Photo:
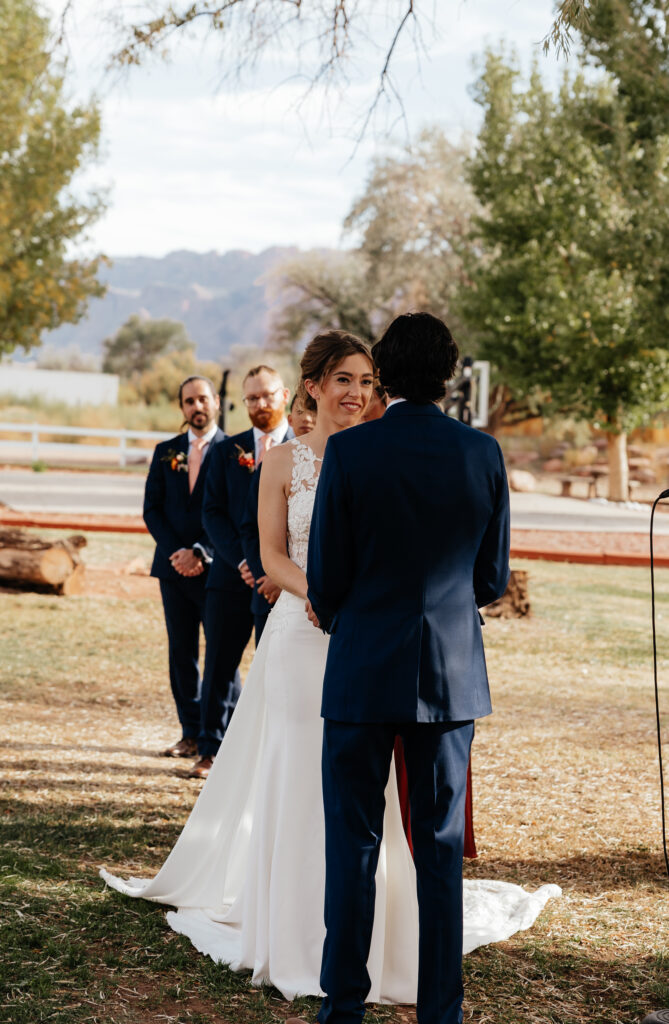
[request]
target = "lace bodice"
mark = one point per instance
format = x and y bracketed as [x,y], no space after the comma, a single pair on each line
[304,478]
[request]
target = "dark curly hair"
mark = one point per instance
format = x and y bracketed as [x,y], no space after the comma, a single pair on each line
[415,357]
[322,356]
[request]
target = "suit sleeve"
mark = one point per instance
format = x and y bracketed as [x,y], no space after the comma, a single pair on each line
[154,509]
[249,528]
[216,520]
[491,569]
[330,559]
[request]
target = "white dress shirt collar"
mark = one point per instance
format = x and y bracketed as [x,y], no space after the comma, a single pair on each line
[201,437]
[277,434]
[394,401]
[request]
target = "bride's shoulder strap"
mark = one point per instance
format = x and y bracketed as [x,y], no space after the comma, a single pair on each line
[304,469]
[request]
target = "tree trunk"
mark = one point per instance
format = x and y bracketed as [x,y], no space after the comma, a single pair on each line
[514,602]
[618,467]
[26,560]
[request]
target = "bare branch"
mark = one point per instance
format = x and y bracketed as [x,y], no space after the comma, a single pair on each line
[385,79]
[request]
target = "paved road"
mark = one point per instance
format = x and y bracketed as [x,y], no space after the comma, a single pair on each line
[547,512]
[121,494]
[63,491]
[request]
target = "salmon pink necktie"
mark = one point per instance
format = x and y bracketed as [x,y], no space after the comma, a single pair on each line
[265,442]
[195,461]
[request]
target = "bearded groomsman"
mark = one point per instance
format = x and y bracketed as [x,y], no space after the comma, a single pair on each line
[173,515]
[231,612]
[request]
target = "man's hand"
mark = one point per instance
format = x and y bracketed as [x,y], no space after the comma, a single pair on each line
[311,614]
[185,562]
[268,588]
[246,574]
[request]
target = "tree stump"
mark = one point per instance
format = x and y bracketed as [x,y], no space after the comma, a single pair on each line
[31,562]
[514,602]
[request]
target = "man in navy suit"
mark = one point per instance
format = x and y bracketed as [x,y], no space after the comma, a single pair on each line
[173,515]
[231,611]
[410,535]
[301,421]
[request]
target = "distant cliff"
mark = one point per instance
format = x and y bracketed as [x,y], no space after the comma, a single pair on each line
[219,296]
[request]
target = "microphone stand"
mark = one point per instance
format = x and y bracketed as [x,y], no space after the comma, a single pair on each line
[659,1016]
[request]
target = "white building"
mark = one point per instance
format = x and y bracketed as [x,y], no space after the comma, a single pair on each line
[19,380]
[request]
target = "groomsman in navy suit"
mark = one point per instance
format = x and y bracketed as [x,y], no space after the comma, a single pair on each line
[301,421]
[409,536]
[231,612]
[173,515]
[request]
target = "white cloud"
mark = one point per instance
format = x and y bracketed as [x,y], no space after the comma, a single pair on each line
[195,166]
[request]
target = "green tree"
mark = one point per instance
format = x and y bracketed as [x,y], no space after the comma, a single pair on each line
[140,341]
[561,283]
[159,383]
[43,143]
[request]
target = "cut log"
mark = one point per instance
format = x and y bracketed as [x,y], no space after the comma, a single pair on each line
[27,560]
[74,584]
[514,602]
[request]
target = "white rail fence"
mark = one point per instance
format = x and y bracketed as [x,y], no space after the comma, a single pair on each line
[34,449]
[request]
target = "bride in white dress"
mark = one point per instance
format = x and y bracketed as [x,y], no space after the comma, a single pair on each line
[247,874]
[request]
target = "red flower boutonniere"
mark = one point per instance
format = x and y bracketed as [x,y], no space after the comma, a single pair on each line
[177,460]
[246,459]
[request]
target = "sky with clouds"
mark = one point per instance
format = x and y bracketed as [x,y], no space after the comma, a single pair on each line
[192,162]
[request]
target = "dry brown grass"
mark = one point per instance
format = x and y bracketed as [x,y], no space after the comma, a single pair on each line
[565,790]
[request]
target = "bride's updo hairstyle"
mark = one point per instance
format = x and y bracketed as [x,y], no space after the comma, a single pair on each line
[415,358]
[322,356]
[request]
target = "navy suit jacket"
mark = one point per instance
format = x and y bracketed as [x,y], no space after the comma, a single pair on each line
[172,514]
[251,542]
[251,537]
[410,533]
[224,509]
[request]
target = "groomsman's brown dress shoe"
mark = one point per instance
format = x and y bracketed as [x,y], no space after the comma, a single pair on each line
[184,748]
[201,768]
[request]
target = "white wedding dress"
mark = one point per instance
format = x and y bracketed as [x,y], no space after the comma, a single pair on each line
[247,873]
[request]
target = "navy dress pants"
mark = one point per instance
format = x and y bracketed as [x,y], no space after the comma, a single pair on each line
[356,764]
[183,603]
[228,623]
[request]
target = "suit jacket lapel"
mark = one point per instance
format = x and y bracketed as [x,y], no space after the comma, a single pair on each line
[182,475]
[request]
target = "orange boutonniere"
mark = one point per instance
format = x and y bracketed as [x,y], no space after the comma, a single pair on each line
[177,460]
[246,459]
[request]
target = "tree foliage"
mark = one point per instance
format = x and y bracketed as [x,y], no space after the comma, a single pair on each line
[159,383]
[412,224]
[138,344]
[320,291]
[571,284]
[43,143]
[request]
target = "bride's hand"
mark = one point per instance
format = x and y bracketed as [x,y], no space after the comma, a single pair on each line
[311,614]
[268,588]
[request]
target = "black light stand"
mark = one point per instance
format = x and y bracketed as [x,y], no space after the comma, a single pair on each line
[225,406]
[460,393]
[659,1016]
[660,497]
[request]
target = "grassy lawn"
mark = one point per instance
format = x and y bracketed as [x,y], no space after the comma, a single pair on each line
[565,790]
